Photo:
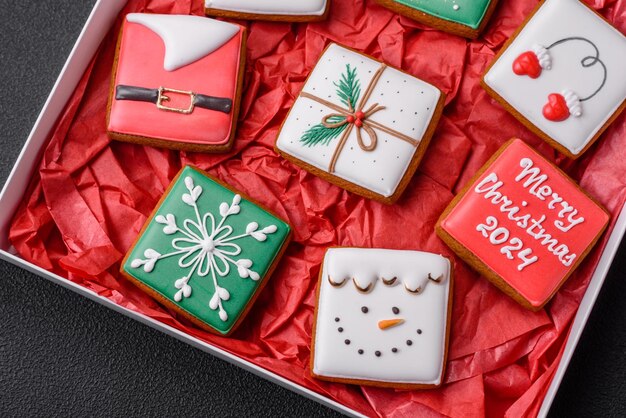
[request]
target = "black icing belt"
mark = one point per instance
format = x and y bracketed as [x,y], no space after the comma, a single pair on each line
[141,94]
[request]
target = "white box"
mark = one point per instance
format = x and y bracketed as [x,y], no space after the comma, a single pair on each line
[97,26]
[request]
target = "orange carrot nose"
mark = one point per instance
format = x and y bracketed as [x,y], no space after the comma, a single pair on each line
[389,323]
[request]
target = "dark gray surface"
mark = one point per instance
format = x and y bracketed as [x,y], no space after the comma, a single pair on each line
[61,354]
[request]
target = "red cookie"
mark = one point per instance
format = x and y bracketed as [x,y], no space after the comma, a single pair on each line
[523,224]
[177,82]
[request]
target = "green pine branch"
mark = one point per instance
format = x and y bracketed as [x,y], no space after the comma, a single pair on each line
[322,135]
[349,88]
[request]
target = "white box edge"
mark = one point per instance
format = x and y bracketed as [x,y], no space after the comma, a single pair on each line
[584,309]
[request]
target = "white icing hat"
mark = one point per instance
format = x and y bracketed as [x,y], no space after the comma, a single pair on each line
[364,269]
[186,38]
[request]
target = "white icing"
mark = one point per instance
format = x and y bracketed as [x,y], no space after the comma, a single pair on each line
[271,7]
[555,20]
[186,38]
[409,107]
[543,55]
[573,103]
[489,188]
[419,363]
[205,247]
[500,235]
[534,179]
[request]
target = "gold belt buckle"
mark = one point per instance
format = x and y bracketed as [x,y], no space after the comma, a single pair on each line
[163,98]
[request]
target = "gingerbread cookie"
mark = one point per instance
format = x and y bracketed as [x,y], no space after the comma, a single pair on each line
[273,10]
[360,124]
[523,224]
[562,75]
[382,318]
[177,82]
[465,18]
[206,252]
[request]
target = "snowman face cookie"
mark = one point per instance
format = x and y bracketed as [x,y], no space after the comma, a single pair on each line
[382,318]
[562,75]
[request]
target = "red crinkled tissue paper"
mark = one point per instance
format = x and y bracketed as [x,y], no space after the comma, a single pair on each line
[90,196]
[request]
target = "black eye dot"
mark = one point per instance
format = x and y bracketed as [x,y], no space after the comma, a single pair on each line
[336,319]
[419,331]
[364,309]
[360,351]
[377,353]
[347,342]
[409,342]
[340,329]
[394,350]
[395,310]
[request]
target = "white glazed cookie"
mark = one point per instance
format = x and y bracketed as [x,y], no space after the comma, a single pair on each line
[563,74]
[373,152]
[266,9]
[382,318]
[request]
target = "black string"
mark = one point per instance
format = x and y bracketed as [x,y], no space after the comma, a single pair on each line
[585,62]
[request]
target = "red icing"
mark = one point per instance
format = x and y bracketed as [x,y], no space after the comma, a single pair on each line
[556,109]
[538,280]
[527,64]
[140,64]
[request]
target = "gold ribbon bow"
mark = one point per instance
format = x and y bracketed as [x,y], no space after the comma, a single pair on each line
[359,119]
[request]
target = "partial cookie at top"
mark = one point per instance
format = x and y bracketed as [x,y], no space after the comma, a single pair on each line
[562,75]
[273,10]
[466,18]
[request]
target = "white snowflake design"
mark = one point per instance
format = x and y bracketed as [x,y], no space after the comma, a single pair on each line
[205,248]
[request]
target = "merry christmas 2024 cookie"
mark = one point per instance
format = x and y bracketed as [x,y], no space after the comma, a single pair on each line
[562,75]
[279,10]
[360,124]
[206,252]
[523,224]
[177,82]
[382,318]
[466,18]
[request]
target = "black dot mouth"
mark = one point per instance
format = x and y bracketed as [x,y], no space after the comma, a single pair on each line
[377,353]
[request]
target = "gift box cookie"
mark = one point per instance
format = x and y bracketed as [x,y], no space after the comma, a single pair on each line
[360,124]
[177,82]
[466,18]
[278,10]
[562,75]
[382,318]
[206,251]
[523,224]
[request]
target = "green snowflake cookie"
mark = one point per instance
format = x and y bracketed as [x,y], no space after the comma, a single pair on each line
[206,252]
